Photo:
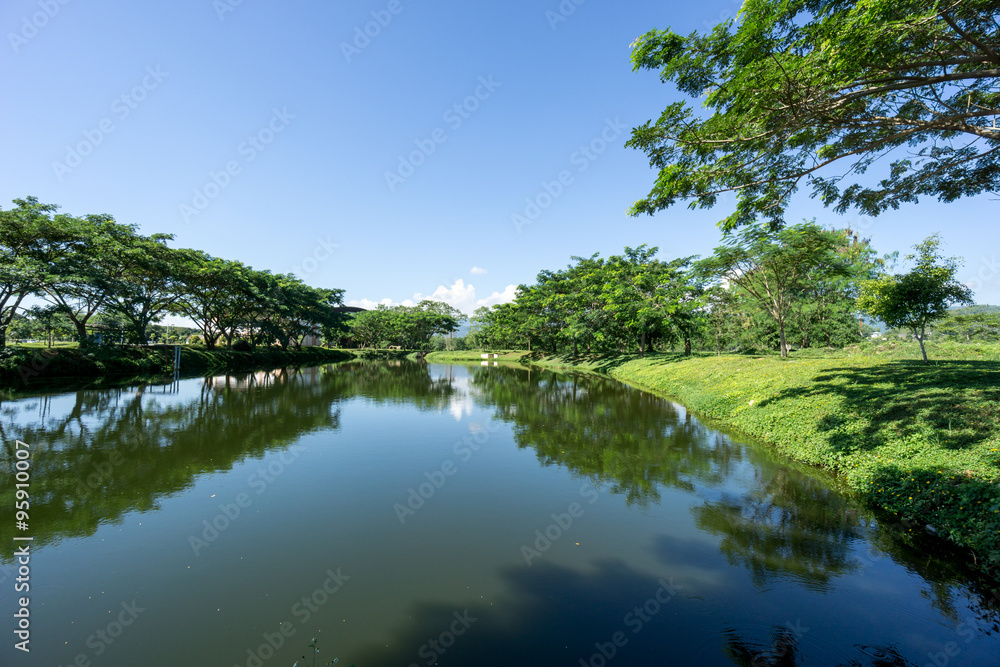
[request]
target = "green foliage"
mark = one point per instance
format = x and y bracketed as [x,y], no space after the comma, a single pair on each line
[916,299]
[93,270]
[242,345]
[448,344]
[978,309]
[802,272]
[792,87]
[30,240]
[411,328]
[970,326]
[627,300]
[148,289]
[27,367]
[83,281]
[43,323]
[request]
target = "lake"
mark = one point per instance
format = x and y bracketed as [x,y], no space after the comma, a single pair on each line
[409,514]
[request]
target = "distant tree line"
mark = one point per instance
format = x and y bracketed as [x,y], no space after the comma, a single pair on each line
[973,323]
[801,286]
[92,270]
[798,286]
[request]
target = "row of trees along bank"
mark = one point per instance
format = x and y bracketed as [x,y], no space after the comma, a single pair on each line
[762,289]
[93,270]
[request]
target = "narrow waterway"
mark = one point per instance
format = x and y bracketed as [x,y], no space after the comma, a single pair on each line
[407,514]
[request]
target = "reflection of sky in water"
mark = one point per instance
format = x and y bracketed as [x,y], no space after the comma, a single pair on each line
[461,403]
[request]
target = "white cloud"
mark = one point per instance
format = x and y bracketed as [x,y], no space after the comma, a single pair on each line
[505,296]
[458,295]
[476,271]
[368,304]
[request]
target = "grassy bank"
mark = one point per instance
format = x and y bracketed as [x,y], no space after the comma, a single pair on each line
[470,356]
[921,441]
[22,367]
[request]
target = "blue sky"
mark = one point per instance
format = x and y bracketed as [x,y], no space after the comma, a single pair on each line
[389,164]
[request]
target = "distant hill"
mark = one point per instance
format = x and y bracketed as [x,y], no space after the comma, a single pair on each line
[976,310]
[966,310]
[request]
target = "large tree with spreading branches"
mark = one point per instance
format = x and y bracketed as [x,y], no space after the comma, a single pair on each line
[811,93]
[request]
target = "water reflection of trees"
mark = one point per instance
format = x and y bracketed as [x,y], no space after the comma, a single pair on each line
[395,381]
[599,428]
[784,524]
[783,650]
[788,524]
[98,454]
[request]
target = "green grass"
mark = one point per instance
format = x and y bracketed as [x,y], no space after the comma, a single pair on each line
[55,344]
[469,356]
[920,441]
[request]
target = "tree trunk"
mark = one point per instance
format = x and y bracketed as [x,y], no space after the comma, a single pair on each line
[921,339]
[81,332]
[642,344]
[687,347]
[209,342]
[784,344]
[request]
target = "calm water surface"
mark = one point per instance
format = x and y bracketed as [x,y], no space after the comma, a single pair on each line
[405,514]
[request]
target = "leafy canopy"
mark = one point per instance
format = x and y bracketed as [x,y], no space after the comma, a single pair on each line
[773,268]
[796,86]
[915,299]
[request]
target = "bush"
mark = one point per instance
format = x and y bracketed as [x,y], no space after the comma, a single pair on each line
[242,345]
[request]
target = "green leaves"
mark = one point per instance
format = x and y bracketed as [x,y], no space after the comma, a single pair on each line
[406,326]
[624,301]
[774,268]
[799,85]
[915,299]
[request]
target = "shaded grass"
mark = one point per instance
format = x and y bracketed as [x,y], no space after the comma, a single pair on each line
[58,343]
